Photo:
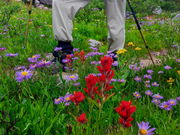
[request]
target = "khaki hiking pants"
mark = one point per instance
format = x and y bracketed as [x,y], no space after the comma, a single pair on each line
[65,10]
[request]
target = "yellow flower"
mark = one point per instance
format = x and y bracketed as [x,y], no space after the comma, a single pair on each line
[170,80]
[178,71]
[131,44]
[121,51]
[137,48]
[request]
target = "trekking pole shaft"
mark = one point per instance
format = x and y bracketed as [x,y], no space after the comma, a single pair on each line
[139,28]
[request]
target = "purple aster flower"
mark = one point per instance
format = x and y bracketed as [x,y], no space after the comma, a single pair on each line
[20,68]
[95,62]
[59,100]
[134,67]
[148,93]
[76,49]
[34,58]
[11,54]
[178,60]
[75,58]
[155,84]
[32,66]
[157,96]
[43,63]
[94,49]
[178,98]
[146,76]
[136,94]
[99,74]
[23,75]
[66,61]
[115,63]
[121,80]
[144,128]
[167,67]
[172,102]
[175,46]
[156,101]
[76,84]
[74,77]
[67,97]
[160,72]
[57,49]
[150,71]
[2,49]
[137,79]
[165,106]
[98,53]
[113,80]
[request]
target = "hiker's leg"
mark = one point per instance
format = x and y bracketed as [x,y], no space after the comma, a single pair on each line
[115,10]
[63,13]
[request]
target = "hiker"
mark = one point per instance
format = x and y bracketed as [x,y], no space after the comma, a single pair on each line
[65,10]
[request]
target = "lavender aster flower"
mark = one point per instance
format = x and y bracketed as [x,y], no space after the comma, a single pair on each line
[32,66]
[148,93]
[121,80]
[113,80]
[146,76]
[58,100]
[167,67]
[178,98]
[156,101]
[155,84]
[178,60]
[136,94]
[115,63]
[172,102]
[137,79]
[74,77]
[43,63]
[160,72]
[165,106]
[20,68]
[157,96]
[11,54]
[144,128]
[76,84]
[23,75]
[57,49]
[34,58]
[76,49]
[2,49]
[150,71]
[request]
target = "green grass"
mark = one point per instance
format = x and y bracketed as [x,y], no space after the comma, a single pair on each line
[28,107]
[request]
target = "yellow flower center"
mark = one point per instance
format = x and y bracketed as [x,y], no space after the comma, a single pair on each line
[24,73]
[172,102]
[143,132]
[57,100]
[121,51]
[72,76]
[67,98]
[165,106]
[138,49]
[131,44]
[34,56]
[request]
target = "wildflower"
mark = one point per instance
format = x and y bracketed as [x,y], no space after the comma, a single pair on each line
[34,58]
[178,98]
[20,68]
[125,110]
[94,49]
[172,102]
[43,63]
[155,84]
[32,66]
[134,67]
[82,118]
[57,49]
[137,79]
[115,64]
[75,49]
[58,100]
[2,49]
[167,67]
[160,72]
[121,81]
[178,71]
[165,106]
[113,80]
[170,81]
[74,77]
[157,96]
[137,48]
[156,101]
[11,54]
[148,93]
[178,60]
[150,71]
[23,75]
[131,44]
[137,95]
[144,128]
[121,51]
[76,84]
[146,76]
[77,97]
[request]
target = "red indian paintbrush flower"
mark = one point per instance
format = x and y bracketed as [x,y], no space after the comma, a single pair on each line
[77,97]
[125,110]
[81,55]
[82,118]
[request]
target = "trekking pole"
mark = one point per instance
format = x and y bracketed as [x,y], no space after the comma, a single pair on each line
[139,28]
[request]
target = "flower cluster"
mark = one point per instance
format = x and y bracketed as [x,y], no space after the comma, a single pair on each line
[125,110]
[77,97]
[65,100]
[82,118]
[144,128]
[23,75]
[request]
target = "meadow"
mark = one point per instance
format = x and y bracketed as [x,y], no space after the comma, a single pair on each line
[99,97]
